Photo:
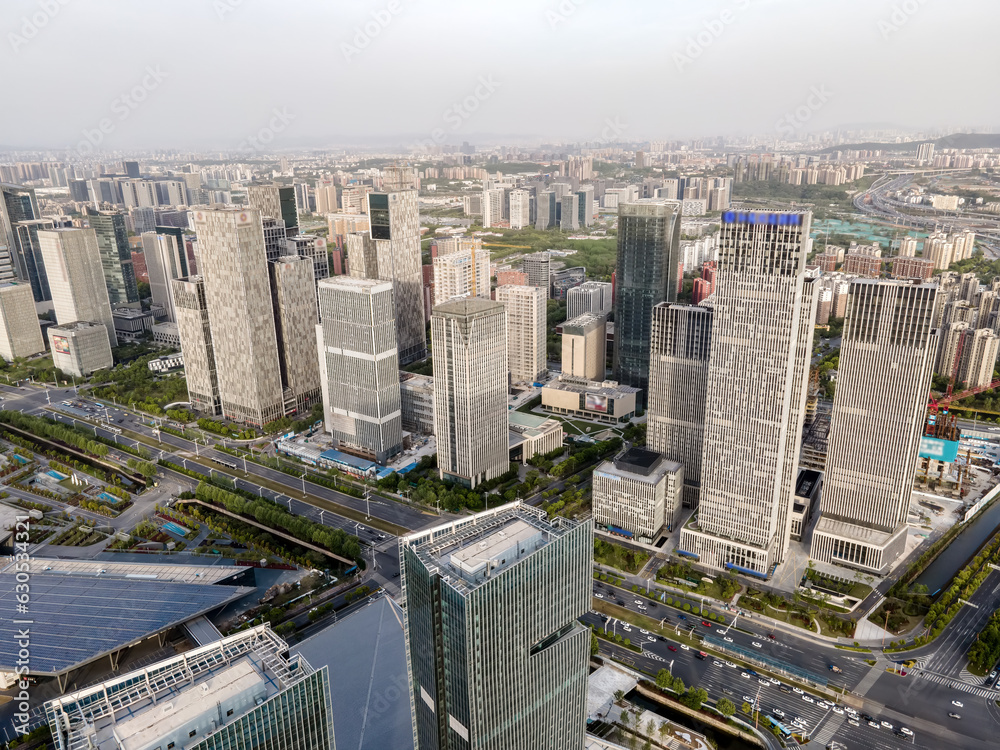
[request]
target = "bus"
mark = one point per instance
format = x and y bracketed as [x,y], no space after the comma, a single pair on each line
[225,462]
[115,430]
[772,722]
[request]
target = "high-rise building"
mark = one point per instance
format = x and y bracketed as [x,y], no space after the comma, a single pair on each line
[979,358]
[569,212]
[762,332]
[242,691]
[526,331]
[76,277]
[464,272]
[276,201]
[470,390]
[354,199]
[520,209]
[391,252]
[565,279]
[590,296]
[30,265]
[538,266]
[584,347]
[80,348]
[233,264]
[116,258]
[293,299]
[546,209]
[649,234]
[489,668]
[166,259]
[925,152]
[876,424]
[314,248]
[493,206]
[17,204]
[585,205]
[678,381]
[913,268]
[361,393]
[638,495]
[194,329]
[20,332]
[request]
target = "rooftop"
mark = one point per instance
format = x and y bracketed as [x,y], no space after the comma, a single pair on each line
[578,385]
[76,325]
[461,308]
[204,574]
[588,321]
[469,552]
[639,469]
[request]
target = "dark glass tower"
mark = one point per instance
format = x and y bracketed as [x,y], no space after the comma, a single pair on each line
[116,258]
[649,238]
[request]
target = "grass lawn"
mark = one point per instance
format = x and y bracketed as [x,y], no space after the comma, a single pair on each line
[618,557]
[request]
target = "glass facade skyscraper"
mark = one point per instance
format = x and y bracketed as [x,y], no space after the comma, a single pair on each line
[116,258]
[649,236]
[496,657]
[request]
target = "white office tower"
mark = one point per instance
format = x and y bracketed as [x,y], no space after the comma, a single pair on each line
[496,657]
[585,347]
[166,260]
[762,333]
[569,212]
[493,208]
[638,495]
[462,272]
[390,251]
[470,390]
[520,209]
[886,363]
[357,348]
[233,264]
[526,331]
[678,381]
[20,332]
[590,296]
[76,277]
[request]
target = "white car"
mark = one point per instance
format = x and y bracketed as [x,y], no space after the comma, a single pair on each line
[778,712]
[886,724]
[774,681]
[626,628]
[745,675]
[838,710]
[651,638]
[765,683]
[907,731]
[644,632]
[873,724]
[727,639]
[685,647]
[853,722]
[749,700]
[598,596]
[959,704]
[720,631]
[822,704]
[638,601]
[800,724]
[756,645]
[716,663]
[808,698]
[797,691]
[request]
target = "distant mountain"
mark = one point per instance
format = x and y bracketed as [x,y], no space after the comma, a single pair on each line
[955,140]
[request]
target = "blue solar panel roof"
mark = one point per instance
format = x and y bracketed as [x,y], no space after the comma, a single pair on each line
[76,619]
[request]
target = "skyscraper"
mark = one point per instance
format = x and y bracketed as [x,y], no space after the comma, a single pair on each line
[29,256]
[762,332]
[569,212]
[590,296]
[191,309]
[490,668]
[886,363]
[358,348]
[520,209]
[17,204]
[233,264]
[526,331]
[293,300]
[390,251]
[116,258]
[470,390]
[166,260]
[586,205]
[584,347]
[276,201]
[538,266]
[463,273]
[20,333]
[678,381]
[649,233]
[76,277]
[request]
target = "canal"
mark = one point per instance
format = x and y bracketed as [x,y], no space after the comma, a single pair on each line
[962,548]
[723,740]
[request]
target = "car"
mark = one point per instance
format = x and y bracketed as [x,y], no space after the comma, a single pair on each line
[753,673]
[755,644]
[838,710]
[651,638]
[727,639]
[685,647]
[800,724]
[626,628]
[720,631]
[854,722]
[907,731]
[682,617]
[958,704]
[772,636]
[765,683]
[873,725]
[993,674]
[727,691]
[900,734]
[867,717]
[887,724]
[644,632]
[784,688]
[641,608]
[662,638]
[706,623]
[744,675]
[716,663]
[822,704]
[620,603]
[797,691]
[808,698]
[652,604]
[598,596]
[778,712]
[396,575]
[672,648]
[953,715]
[749,699]
[638,601]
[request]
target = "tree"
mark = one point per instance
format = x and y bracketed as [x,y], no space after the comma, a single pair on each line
[664,732]
[694,697]
[725,707]
[678,686]
[594,645]
[664,680]
[746,708]
[619,695]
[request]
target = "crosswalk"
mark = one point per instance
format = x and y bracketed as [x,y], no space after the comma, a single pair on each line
[980,690]
[826,732]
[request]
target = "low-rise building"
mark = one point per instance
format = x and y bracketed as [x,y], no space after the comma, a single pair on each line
[638,495]
[131,323]
[80,348]
[167,334]
[863,265]
[605,401]
[531,435]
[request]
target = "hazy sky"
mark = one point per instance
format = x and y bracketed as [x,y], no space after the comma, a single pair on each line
[214,73]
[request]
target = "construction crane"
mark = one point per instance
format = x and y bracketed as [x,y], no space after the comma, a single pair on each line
[943,403]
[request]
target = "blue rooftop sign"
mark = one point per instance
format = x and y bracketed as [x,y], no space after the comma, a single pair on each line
[761,217]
